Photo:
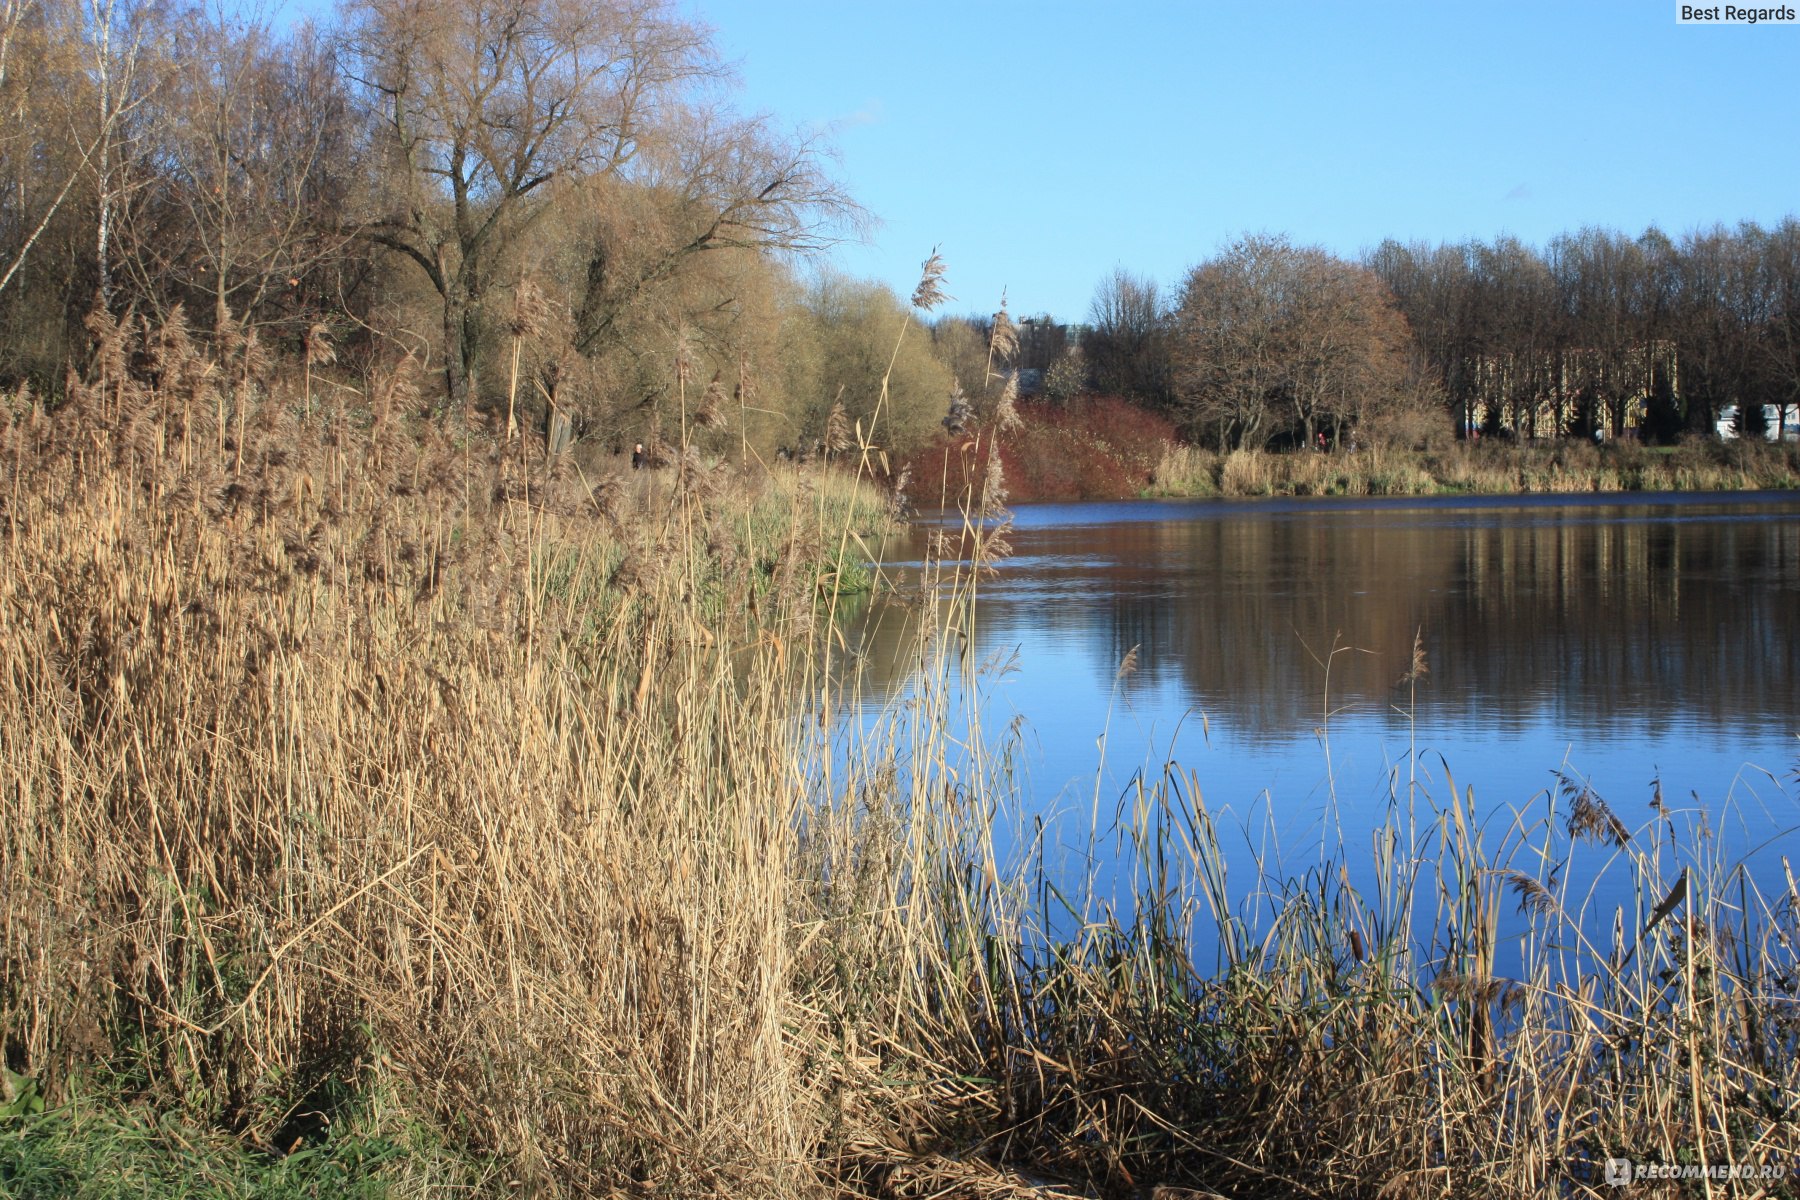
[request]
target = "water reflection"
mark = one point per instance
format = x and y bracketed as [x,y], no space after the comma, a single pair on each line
[1598,620]
[1624,646]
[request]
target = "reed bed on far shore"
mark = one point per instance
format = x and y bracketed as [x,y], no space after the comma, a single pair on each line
[479,822]
[1492,467]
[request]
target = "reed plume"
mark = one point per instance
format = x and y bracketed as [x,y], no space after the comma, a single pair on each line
[837,428]
[1003,341]
[929,293]
[710,414]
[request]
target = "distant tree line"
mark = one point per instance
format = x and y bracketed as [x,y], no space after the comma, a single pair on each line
[1600,331]
[1268,343]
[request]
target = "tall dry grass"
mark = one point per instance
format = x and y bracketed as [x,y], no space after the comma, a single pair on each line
[336,753]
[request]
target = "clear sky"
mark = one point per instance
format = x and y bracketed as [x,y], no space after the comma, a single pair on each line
[1040,145]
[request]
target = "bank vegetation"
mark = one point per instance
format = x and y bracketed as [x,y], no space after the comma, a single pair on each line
[392,812]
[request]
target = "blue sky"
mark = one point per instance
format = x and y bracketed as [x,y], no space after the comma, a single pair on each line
[1040,145]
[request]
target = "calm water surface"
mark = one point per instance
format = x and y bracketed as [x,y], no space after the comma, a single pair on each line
[1621,642]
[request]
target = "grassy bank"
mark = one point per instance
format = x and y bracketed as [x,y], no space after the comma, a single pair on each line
[475,821]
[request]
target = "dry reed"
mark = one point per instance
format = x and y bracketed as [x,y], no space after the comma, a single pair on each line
[1486,468]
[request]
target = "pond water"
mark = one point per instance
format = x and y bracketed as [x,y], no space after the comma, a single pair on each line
[1621,642]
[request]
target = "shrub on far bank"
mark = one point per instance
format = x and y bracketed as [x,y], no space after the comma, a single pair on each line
[1100,448]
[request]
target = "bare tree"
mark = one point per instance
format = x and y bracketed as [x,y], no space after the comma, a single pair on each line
[1126,345]
[1781,337]
[1344,345]
[484,105]
[1515,341]
[1440,293]
[73,78]
[123,69]
[1596,273]
[24,74]
[255,157]
[1228,359]
[1275,338]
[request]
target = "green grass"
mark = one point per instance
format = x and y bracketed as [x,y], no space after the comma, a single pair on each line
[106,1148]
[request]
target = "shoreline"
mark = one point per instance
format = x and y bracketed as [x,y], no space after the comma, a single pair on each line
[1105,449]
